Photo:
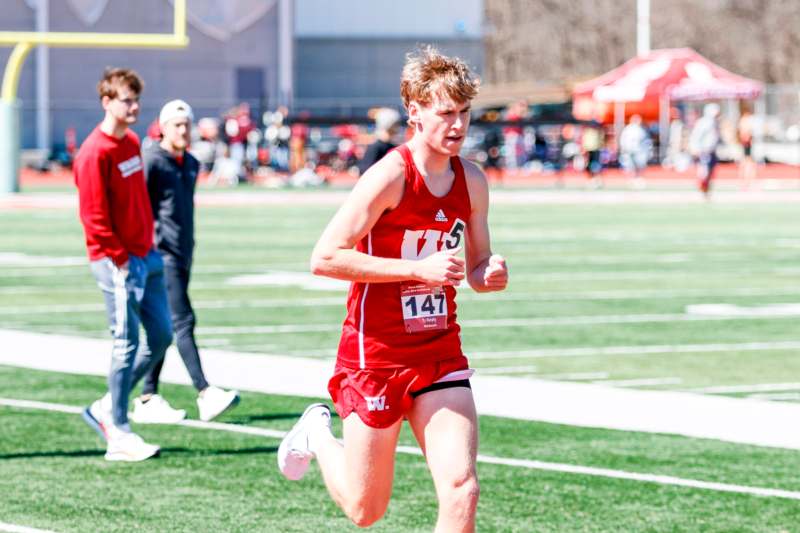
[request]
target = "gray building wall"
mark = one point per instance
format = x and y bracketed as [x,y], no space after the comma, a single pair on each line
[204,74]
[339,75]
[348,56]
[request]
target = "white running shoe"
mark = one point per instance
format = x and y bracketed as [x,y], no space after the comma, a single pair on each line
[128,446]
[215,401]
[156,410]
[294,454]
[99,417]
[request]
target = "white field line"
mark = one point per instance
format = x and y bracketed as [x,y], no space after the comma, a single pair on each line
[281,328]
[590,351]
[567,321]
[633,476]
[47,273]
[738,420]
[527,369]
[571,255]
[234,428]
[488,459]
[304,280]
[640,382]
[44,406]
[14,266]
[16,259]
[207,342]
[576,376]
[551,353]
[776,396]
[12,528]
[465,294]
[759,387]
[740,310]
[260,280]
[47,309]
[333,301]
[280,303]
[642,294]
[641,274]
[573,376]
[513,196]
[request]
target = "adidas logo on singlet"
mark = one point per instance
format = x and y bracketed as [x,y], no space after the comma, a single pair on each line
[440,216]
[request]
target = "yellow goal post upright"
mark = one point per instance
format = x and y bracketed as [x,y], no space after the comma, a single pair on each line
[24,41]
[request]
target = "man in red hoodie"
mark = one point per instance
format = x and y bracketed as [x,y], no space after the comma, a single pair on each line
[118,223]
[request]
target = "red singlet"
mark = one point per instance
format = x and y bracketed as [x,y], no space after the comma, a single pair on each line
[399,324]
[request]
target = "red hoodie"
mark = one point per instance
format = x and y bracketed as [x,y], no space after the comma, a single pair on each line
[114,204]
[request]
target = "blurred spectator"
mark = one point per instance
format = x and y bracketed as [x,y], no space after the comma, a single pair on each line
[703,143]
[540,148]
[514,140]
[491,144]
[592,144]
[277,137]
[226,170]
[634,145]
[71,143]
[744,133]
[387,123]
[677,149]
[152,135]
[297,147]
[346,148]
[253,141]
[569,154]
[206,146]
[238,125]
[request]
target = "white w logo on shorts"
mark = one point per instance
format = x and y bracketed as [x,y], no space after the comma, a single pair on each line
[376,403]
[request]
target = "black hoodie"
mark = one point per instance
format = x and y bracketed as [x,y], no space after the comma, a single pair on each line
[171,186]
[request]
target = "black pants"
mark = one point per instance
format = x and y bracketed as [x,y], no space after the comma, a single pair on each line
[183,322]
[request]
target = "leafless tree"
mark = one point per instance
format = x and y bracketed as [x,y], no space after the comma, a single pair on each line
[567,40]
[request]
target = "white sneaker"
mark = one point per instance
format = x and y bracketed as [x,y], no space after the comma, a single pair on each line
[215,401]
[156,410]
[294,454]
[99,417]
[128,446]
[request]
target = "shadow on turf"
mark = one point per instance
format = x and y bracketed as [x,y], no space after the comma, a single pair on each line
[56,453]
[168,451]
[244,419]
[229,451]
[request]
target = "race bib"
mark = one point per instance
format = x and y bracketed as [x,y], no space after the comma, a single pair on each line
[424,307]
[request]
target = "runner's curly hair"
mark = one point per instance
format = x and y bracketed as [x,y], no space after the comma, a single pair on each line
[428,72]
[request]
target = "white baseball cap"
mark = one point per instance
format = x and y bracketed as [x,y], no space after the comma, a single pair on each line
[174,109]
[386,118]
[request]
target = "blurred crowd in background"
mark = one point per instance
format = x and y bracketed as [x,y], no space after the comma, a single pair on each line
[278,149]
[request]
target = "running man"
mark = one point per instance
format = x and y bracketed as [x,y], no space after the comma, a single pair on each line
[397,239]
[703,143]
[171,173]
[118,223]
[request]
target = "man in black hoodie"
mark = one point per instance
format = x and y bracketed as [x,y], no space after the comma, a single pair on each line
[171,173]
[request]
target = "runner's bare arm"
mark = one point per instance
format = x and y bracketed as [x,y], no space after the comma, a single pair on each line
[486,271]
[380,189]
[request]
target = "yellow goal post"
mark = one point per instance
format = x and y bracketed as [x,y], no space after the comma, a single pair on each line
[24,41]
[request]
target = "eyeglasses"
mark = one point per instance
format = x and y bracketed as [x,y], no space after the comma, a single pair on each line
[128,101]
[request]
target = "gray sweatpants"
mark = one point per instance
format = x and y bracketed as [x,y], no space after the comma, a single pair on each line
[138,298]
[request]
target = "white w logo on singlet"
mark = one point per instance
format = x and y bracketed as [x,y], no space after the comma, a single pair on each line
[419,244]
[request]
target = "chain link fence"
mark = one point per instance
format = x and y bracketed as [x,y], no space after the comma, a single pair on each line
[778,134]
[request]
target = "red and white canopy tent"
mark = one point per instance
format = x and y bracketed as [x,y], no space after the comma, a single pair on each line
[648,84]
